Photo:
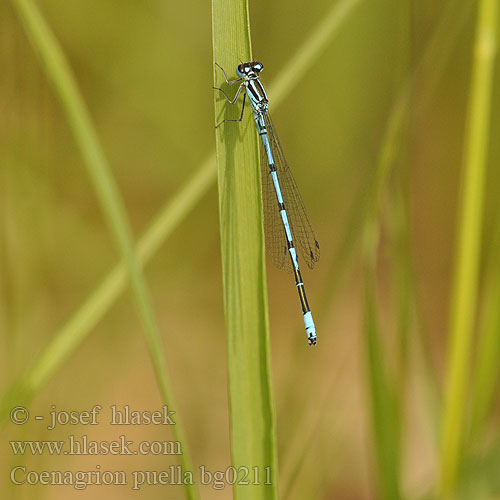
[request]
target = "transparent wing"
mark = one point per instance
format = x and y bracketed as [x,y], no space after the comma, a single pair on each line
[303,234]
[273,226]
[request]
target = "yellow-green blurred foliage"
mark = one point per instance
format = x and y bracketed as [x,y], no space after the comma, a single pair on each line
[145,71]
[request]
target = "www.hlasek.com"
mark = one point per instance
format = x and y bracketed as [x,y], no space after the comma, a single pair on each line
[82,445]
[174,476]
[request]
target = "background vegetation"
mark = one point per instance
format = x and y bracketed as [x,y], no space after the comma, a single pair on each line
[385,127]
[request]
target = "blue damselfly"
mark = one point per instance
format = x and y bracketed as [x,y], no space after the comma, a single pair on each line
[285,218]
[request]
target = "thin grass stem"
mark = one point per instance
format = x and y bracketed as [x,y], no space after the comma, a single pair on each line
[466,273]
[58,72]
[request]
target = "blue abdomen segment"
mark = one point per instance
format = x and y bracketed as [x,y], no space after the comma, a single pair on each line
[286,225]
[261,127]
[277,188]
[310,328]
[293,255]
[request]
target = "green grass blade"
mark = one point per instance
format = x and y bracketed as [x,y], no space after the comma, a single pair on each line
[58,72]
[465,287]
[252,420]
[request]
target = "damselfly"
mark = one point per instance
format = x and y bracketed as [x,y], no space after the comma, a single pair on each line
[285,217]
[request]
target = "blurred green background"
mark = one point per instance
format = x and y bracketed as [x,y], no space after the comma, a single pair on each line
[145,71]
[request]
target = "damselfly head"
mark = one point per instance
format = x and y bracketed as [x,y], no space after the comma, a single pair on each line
[249,69]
